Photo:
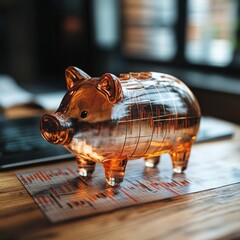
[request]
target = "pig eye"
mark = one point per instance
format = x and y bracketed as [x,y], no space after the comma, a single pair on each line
[84,114]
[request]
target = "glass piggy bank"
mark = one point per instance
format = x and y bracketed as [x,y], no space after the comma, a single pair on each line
[111,120]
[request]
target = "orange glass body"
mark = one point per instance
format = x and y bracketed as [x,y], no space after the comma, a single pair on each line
[111,120]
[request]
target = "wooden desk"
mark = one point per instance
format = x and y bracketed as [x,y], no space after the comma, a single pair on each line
[212,214]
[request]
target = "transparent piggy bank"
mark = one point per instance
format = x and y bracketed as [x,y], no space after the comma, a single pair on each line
[111,120]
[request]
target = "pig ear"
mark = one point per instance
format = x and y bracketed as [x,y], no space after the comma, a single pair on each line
[73,75]
[110,85]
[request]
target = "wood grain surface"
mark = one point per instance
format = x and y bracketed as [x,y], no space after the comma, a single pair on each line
[212,214]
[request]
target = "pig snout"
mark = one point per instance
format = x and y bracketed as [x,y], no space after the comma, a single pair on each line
[55,130]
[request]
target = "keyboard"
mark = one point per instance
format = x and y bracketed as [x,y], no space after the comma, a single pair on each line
[21,143]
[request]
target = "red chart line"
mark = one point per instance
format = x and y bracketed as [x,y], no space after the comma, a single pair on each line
[128,195]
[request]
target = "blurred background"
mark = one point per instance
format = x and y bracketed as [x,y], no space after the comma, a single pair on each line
[198,41]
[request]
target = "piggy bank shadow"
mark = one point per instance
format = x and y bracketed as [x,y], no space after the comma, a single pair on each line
[151,171]
[157,174]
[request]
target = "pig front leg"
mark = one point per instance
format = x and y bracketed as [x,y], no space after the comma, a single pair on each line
[115,171]
[85,167]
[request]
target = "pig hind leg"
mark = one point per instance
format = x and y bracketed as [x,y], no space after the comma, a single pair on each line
[180,159]
[115,171]
[152,161]
[85,167]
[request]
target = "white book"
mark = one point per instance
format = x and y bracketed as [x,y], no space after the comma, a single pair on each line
[15,101]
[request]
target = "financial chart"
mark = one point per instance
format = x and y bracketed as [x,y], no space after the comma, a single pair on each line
[62,194]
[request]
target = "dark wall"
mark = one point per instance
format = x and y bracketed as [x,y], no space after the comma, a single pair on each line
[40,38]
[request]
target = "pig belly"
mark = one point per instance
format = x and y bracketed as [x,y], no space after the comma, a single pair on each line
[143,140]
[147,147]
[138,139]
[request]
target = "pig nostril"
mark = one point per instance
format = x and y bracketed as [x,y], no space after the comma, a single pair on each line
[50,125]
